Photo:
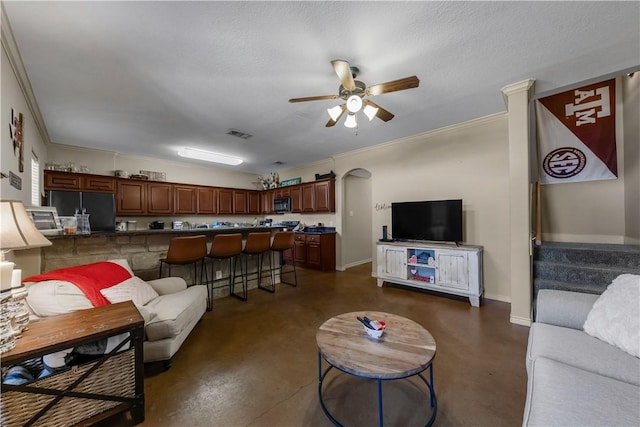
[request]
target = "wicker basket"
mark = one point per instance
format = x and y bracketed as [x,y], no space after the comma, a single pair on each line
[116,377]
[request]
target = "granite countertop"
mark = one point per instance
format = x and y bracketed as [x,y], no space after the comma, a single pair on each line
[318,230]
[205,231]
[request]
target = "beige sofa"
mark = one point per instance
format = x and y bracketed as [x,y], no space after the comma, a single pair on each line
[170,315]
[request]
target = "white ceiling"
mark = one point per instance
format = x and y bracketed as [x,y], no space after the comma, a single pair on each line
[146,78]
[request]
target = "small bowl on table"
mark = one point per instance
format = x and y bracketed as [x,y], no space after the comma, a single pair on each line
[376,333]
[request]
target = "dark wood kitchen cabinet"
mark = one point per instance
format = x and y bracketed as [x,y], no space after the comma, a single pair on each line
[314,250]
[266,201]
[207,202]
[308,198]
[131,197]
[185,199]
[296,199]
[225,201]
[253,202]
[240,202]
[139,197]
[325,196]
[57,180]
[159,198]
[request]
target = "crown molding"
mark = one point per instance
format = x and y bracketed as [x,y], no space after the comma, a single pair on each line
[10,47]
[469,123]
[513,88]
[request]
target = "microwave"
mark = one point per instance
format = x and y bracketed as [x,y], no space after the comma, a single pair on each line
[46,219]
[282,204]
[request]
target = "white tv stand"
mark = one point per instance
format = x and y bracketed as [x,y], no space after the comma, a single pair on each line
[450,268]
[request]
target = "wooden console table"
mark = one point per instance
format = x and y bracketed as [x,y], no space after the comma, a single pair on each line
[92,391]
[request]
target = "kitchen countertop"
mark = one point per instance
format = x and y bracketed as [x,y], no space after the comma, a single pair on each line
[206,231]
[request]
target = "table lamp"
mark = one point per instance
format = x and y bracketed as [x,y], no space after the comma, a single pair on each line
[17,231]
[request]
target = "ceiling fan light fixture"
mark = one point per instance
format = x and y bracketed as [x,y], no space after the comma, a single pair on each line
[335,112]
[351,121]
[370,111]
[209,156]
[354,103]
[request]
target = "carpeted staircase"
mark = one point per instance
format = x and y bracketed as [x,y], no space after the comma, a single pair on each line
[583,267]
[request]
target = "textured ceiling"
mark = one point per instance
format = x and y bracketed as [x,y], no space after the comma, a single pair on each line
[146,78]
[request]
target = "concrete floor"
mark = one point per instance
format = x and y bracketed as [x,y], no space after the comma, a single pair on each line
[255,363]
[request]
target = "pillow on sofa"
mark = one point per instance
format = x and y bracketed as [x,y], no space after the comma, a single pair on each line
[53,297]
[615,316]
[134,289]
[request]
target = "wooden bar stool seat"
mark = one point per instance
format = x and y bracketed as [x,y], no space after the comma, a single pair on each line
[257,244]
[226,247]
[283,241]
[184,251]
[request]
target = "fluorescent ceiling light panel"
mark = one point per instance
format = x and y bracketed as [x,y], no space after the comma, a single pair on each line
[194,153]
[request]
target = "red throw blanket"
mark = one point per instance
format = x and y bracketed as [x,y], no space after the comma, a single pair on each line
[90,278]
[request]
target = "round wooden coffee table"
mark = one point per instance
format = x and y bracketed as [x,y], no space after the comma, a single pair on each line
[404,350]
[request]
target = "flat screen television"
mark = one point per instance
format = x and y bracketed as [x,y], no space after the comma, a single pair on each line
[434,220]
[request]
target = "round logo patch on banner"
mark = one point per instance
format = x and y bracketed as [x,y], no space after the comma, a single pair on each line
[564,162]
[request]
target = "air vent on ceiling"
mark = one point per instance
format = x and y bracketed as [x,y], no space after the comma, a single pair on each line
[239,134]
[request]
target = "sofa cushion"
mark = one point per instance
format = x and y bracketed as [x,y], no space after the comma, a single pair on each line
[174,312]
[583,351]
[563,395]
[615,316]
[133,289]
[53,297]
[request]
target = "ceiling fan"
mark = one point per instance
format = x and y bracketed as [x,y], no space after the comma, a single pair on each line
[353,92]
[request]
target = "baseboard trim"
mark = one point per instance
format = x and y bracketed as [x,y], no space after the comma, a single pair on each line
[354,264]
[497,297]
[520,321]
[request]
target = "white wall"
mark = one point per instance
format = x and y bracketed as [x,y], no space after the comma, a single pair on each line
[105,162]
[14,97]
[601,211]
[356,223]
[467,161]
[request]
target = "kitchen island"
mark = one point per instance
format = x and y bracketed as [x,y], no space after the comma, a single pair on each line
[143,249]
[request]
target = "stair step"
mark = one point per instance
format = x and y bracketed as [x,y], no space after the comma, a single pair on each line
[624,256]
[577,273]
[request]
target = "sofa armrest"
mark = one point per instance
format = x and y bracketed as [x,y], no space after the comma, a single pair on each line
[168,285]
[564,308]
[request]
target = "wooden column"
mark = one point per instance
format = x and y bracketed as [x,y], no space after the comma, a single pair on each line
[516,98]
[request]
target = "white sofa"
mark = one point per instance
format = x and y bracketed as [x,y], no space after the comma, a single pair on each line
[169,317]
[575,379]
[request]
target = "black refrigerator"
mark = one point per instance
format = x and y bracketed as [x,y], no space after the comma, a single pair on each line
[101,207]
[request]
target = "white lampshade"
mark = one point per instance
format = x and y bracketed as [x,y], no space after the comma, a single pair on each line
[354,103]
[16,228]
[351,121]
[370,111]
[335,112]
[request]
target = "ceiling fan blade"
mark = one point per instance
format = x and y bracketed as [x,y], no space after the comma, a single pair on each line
[393,86]
[343,70]
[313,98]
[332,122]
[382,114]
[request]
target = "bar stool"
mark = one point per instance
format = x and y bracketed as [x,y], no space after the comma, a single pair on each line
[184,251]
[257,244]
[282,241]
[226,247]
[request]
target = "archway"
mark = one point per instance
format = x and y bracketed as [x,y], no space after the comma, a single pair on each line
[356,218]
